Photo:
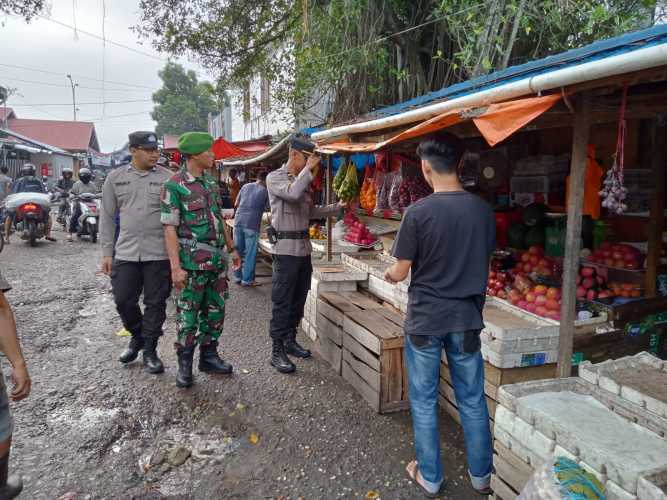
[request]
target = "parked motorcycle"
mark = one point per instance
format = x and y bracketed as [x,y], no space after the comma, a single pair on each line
[88,223]
[31,214]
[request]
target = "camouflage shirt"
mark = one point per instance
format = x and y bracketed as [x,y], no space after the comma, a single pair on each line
[193,205]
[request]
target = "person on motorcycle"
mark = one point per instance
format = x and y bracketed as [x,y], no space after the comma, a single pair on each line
[63,187]
[28,183]
[82,186]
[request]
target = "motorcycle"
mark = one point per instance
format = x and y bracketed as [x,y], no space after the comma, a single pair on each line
[88,223]
[31,212]
[64,211]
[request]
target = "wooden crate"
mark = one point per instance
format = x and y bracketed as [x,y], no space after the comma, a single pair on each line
[373,361]
[494,377]
[330,310]
[511,473]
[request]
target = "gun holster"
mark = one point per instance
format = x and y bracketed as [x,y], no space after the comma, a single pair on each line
[272,234]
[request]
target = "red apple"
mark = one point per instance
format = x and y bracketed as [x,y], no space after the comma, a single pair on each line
[527,268]
[552,305]
[541,311]
[525,257]
[591,295]
[531,307]
[534,260]
[501,294]
[540,290]
[540,300]
[530,297]
[522,304]
[581,292]
[587,283]
[553,293]
[587,272]
[555,315]
[536,250]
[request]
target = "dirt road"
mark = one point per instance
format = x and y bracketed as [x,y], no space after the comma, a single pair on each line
[93,429]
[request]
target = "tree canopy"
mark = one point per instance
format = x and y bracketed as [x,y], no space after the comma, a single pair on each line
[370,53]
[183,103]
[24,8]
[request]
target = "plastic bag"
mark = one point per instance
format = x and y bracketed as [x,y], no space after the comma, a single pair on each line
[395,192]
[382,186]
[562,479]
[349,189]
[367,195]
[339,178]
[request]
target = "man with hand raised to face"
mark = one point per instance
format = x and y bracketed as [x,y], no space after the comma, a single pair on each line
[140,263]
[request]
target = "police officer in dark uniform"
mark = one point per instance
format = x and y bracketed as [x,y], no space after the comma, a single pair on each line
[140,263]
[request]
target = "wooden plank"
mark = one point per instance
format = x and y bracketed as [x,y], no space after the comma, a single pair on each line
[657,210]
[406,384]
[370,376]
[393,316]
[378,325]
[338,301]
[513,477]
[510,457]
[329,352]
[351,344]
[364,390]
[394,406]
[330,330]
[328,197]
[516,375]
[361,335]
[501,489]
[361,301]
[330,312]
[391,373]
[573,232]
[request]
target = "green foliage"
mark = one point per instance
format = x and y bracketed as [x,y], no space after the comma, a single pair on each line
[370,53]
[182,104]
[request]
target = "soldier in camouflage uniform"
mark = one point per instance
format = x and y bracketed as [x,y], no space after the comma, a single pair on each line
[196,237]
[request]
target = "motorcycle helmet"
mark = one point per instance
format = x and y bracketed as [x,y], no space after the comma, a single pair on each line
[85,175]
[67,173]
[28,170]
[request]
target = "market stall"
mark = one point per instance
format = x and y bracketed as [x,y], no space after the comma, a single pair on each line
[595,279]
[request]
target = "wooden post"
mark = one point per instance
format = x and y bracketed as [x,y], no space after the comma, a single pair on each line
[657,210]
[329,200]
[575,203]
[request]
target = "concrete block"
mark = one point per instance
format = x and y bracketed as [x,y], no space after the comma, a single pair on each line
[640,379]
[515,360]
[523,432]
[653,486]
[614,492]
[347,273]
[583,425]
[528,456]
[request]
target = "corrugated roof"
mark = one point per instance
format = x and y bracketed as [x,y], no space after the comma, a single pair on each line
[71,136]
[598,50]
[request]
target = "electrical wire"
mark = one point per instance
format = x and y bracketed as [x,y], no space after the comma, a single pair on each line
[98,37]
[87,103]
[79,77]
[49,84]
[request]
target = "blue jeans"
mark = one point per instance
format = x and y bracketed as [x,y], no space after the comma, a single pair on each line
[245,241]
[467,372]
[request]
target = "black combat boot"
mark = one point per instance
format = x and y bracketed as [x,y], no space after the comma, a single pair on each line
[10,486]
[151,360]
[184,375]
[279,359]
[210,361]
[132,352]
[293,348]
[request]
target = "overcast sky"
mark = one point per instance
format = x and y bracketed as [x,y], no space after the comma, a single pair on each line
[55,51]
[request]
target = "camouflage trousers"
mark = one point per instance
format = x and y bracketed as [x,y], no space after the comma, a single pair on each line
[200,307]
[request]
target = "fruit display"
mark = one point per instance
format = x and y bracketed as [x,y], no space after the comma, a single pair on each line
[620,256]
[349,188]
[339,178]
[411,189]
[382,187]
[533,261]
[367,196]
[316,232]
[539,299]
[618,289]
[395,192]
[357,232]
[590,285]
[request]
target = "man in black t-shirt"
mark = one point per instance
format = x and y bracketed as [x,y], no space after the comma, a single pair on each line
[446,240]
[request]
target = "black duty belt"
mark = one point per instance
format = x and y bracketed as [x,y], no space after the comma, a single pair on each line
[292,235]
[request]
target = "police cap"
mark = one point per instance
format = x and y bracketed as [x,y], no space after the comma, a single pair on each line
[143,139]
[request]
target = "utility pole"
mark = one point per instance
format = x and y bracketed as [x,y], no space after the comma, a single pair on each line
[74,85]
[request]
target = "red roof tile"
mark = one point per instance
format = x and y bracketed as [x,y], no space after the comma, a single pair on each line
[71,136]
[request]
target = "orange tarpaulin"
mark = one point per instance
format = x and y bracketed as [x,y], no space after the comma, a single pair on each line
[223,150]
[495,122]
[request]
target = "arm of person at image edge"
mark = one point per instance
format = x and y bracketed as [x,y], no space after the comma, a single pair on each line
[292,191]
[405,250]
[108,223]
[11,347]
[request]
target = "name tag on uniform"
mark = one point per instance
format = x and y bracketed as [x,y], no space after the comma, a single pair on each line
[121,183]
[155,184]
